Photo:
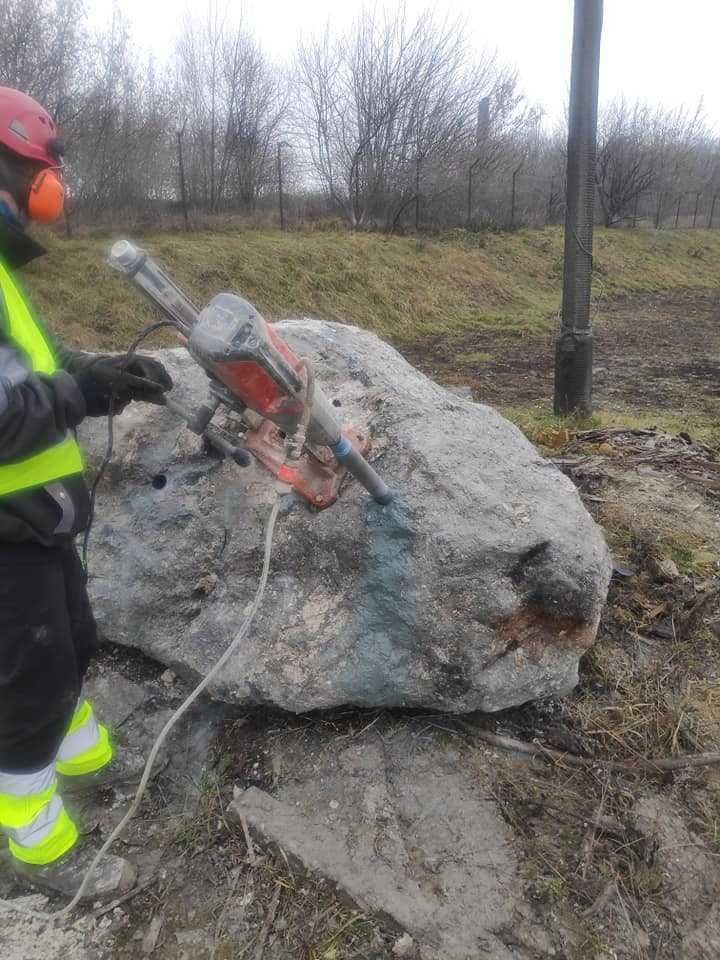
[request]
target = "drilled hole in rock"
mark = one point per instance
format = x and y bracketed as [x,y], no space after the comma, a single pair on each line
[336,403]
[159,481]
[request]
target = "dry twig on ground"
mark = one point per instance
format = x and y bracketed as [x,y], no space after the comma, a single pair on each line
[267,925]
[641,764]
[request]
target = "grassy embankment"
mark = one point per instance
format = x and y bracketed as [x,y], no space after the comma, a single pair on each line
[409,293]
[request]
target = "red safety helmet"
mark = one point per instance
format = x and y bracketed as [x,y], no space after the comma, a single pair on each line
[28,131]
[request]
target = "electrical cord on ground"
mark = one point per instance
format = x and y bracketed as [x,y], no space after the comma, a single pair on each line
[182,709]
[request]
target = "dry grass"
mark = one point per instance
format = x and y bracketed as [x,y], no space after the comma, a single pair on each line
[647,695]
[583,857]
[651,712]
[405,291]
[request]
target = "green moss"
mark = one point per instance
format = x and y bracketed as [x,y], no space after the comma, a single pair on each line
[551,890]
[690,554]
[537,418]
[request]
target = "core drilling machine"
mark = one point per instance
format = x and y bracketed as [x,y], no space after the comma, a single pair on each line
[288,423]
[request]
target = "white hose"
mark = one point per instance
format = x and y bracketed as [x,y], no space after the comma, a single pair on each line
[204,683]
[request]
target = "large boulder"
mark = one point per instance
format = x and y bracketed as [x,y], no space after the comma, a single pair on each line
[479,588]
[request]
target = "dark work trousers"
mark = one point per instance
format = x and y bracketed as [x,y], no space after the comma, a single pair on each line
[47,637]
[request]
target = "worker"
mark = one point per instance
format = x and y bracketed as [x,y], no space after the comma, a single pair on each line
[51,742]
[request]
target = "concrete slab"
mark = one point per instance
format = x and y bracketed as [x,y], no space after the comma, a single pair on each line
[114,698]
[406,832]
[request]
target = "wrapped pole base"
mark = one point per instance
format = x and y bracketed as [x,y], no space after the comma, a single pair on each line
[573,373]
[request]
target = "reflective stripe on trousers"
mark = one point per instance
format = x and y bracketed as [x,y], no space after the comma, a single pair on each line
[86,747]
[32,814]
[33,817]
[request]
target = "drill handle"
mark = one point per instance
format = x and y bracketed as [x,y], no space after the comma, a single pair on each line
[199,422]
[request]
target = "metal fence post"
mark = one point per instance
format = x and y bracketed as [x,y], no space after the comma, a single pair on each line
[516,171]
[280,187]
[658,210]
[181,166]
[697,204]
[712,211]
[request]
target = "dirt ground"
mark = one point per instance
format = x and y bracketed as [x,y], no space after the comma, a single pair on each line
[651,352]
[615,864]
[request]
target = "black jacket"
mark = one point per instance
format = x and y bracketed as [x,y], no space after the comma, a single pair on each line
[36,411]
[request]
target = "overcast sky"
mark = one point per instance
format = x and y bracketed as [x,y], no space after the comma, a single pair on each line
[661,51]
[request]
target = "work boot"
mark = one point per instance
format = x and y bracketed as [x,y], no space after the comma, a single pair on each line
[112,877]
[125,769]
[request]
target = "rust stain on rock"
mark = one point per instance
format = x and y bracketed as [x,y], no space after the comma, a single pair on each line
[533,630]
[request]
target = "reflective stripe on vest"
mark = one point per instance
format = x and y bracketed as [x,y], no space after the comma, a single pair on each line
[64,458]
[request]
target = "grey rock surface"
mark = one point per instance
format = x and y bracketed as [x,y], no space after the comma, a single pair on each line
[114,698]
[27,936]
[479,588]
[401,826]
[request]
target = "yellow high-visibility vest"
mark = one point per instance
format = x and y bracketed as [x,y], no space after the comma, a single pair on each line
[63,459]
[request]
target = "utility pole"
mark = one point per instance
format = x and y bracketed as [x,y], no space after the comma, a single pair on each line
[574,346]
[471,171]
[483,122]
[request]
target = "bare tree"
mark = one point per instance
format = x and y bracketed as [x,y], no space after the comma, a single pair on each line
[626,158]
[198,70]
[120,149]
[233,104]
[43,46]
[388,111]
[386,127]
[254,108]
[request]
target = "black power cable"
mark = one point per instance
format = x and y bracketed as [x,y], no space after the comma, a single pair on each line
[144,333]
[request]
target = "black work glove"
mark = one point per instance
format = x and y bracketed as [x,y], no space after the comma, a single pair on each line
[102,378]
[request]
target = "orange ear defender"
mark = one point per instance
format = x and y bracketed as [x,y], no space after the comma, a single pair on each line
[46,197]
